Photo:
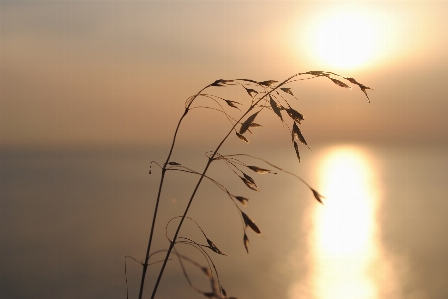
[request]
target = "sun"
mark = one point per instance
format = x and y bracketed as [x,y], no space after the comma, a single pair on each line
[345,38]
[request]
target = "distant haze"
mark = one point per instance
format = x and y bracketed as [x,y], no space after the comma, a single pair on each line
[95,73]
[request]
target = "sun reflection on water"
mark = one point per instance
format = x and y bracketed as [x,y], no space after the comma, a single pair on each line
[346,260]
[344,240]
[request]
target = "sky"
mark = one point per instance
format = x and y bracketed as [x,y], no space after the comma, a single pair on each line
[99,73]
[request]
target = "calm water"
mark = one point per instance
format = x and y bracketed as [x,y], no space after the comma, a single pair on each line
[69,218]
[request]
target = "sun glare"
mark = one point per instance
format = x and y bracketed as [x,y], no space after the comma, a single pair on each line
[346,37]
[345,40]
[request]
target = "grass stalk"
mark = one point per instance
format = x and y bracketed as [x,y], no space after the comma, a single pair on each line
[159,192]
[210,160]
[270,92]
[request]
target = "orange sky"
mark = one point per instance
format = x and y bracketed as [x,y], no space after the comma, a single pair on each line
[83,73]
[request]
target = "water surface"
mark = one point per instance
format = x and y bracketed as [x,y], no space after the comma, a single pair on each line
[68,219]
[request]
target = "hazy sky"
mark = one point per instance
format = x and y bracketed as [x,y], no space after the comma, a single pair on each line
[79,73]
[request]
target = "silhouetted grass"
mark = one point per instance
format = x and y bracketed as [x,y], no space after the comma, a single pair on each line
[265,97]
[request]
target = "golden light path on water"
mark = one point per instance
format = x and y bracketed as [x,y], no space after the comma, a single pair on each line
[346,259]
[345,230]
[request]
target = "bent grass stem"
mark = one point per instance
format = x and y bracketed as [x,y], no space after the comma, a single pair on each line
[210,160]
[295,132]
[145,264]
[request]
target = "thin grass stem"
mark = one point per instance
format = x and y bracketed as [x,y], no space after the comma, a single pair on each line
[259,101]
[210,160]
[145,264]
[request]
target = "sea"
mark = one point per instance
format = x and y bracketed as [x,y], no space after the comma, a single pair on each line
[75,223]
